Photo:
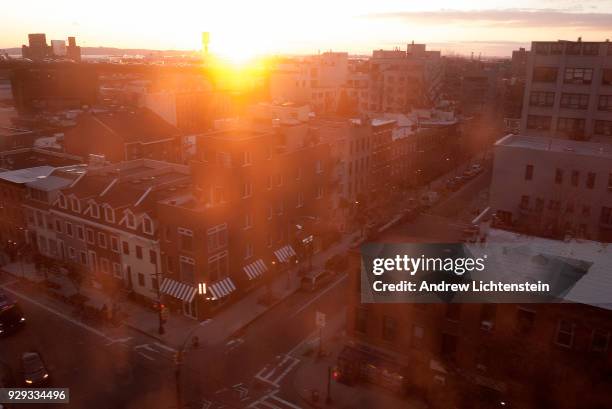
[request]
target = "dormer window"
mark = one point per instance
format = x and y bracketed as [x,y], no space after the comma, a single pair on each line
[130,220]
[75,205]
[94,209]
[147,225]
[109,214]
[62,201]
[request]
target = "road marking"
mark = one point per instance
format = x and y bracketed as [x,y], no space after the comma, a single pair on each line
[275,375]
[272,400]
[59,314]
[321,294]
[146,356]
[166,347]
[119,340]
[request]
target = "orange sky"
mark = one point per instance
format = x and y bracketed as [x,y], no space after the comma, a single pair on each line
[247,28]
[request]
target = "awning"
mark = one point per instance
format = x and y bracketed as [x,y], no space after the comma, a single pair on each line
[179,290]
[284,253]
[222,288]
[255,269]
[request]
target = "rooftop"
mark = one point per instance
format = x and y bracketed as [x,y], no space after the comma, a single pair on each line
[26,175]
[556,145]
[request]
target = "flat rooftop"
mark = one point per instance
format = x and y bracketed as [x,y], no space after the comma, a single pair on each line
[556,145]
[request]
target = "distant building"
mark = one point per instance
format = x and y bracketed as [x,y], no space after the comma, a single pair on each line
[568,93]
[519,61]
[37,48]
[124,135]
[59,47]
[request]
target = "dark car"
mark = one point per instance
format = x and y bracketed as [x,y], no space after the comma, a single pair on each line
[34,371]
[11,316]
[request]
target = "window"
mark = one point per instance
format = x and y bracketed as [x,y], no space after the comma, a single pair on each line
[606,78]
[529,172]
[130,220]
[58,226]
[575,177]
[75,205]
[361,320]
[524,202]
[538,122]
[187,269]
[389,328]
[109,214]
[606,215]
[539,204]
[94,210]
[545,74]
[69,229]
[102,240]
[298,173]
[247,189]
[300,199]
[218,266]
[278,179]
[141,280]
[90,236]
[248,221]
[319,193]
[565,333]
[246,158]
[572,127]
[126,248]
[117,270]
[114,244]
[605,103]
[280,207]
[217,237]
[573,48]
[590,48]
[269,182]
[71,252]
[80,233]
[318,167]
[270,212]
[104,265]
[578,75]
[603,128]
[248,252]
[590,182]
[138,252]
[62,201]
[600,340]
[147,225]
[558,176]
[525,320]
[185,239]
[83,257]
[574,101]
[152,256]
[543,99]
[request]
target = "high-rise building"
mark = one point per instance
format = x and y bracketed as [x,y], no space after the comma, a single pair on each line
[37,48]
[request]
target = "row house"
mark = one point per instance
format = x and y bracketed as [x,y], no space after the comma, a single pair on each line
[105,222]
[461,355]
[259,206]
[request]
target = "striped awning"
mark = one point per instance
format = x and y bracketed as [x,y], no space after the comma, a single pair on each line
[284,253]
[255,269]
[178,290]
[222,288]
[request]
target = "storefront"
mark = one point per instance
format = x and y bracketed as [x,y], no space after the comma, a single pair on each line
[181,297]
[361,365]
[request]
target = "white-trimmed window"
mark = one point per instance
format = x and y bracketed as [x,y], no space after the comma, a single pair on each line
[71,252]
[217,237]
[270,212]
[62,201]
[248,251]
[246,158]
[130,219]
[80,233]
[114,241]
[565,333]
[75,204]
[247,189]
[58,226]
[117,270]
[187,269]
[300,199]
[218,266]
[102,240]
[90,236]
[248,220]
[185,238]
[318,167]
[319,193]
[104,265]
[147,224]
[83,257]
[69,231]
[94,210]
[109,214]
[278,179]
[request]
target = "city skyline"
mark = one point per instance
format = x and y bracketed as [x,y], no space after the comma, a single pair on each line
[490,29]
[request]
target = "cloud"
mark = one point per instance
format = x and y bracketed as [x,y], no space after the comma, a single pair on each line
[509,18]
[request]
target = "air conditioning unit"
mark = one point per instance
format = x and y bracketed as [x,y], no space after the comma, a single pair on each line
[486,326]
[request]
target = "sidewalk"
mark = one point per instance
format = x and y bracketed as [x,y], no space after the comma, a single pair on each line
[178,328]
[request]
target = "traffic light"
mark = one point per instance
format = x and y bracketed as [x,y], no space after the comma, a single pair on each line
[335,374]
[164,312]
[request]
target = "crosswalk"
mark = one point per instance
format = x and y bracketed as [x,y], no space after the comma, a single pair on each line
[274,374]
[273,401]
[154,351]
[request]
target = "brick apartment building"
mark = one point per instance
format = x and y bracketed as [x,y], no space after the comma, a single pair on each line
[123,136]
[258,193]
[480,355]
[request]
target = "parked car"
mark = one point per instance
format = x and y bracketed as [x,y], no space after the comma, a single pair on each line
[11,316]
[314,280]
[34,371]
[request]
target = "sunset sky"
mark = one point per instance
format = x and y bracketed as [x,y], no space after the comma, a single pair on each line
[248,28]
